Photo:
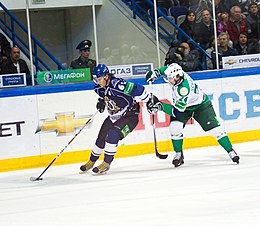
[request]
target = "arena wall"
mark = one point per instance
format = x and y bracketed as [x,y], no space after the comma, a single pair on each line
[37,122]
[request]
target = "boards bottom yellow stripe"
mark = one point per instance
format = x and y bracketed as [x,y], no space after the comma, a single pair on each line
[123,151]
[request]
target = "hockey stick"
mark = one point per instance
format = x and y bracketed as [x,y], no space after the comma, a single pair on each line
[160,156]
[88,121]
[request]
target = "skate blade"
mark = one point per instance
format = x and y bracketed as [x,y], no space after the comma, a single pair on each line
[178,164]
[99,174]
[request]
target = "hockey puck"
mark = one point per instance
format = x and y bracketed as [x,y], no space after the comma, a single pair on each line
[35,178]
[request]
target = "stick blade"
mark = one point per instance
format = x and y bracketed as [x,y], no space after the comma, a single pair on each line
[161,156]
[35,178]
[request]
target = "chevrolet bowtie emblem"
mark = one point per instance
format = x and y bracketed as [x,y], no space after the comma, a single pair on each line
[63,124]
[230,62]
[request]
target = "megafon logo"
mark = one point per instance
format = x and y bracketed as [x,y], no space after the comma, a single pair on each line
[48,77]
[230,62]
[63,124]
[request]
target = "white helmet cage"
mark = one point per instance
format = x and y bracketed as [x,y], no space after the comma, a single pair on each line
[173,71]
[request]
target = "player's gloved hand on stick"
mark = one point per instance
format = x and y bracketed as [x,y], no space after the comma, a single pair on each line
[153,105]
[101,105]
[151,76]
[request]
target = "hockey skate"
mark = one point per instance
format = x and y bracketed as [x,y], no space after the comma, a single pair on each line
[101,169]
[234,157]
[84,168]
[178,159]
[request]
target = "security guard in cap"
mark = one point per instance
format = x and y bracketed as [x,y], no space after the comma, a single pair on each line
[84,61]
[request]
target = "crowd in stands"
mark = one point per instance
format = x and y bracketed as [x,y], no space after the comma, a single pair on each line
[237,22]
[238,27]
[238,33]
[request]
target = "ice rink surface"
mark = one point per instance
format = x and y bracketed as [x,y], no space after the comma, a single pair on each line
[207,190]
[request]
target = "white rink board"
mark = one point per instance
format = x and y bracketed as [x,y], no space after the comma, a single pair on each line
[19,119]
[80,103]
[237,104]
[246,117]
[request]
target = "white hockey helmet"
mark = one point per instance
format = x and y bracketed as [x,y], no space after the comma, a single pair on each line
[174,71]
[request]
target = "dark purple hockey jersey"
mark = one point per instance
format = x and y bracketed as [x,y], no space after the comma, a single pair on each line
[120,97]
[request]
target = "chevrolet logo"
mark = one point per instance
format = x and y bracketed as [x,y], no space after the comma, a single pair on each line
[230,62]
[63,124]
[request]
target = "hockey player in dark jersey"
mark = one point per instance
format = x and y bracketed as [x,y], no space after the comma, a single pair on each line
[120,98]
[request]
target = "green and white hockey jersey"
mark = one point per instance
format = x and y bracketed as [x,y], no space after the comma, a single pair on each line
[186,95]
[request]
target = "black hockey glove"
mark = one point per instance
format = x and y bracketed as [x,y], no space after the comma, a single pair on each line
[153,105]
[151,76]
[101,105]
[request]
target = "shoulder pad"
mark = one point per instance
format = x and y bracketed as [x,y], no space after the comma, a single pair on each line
[184,88]
[118,83]
[121,84]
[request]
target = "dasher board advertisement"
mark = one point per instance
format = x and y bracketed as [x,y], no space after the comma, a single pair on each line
[63,76]
[18,122]
[241,61]
[131,70]
[12,80]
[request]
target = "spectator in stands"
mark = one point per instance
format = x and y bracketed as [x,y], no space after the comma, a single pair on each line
[222,22]
[202,5]
[224,5]
[253,21]
[83,61]
[188,26]
[184,56]
[244,4]
[204,30]
[245,46]
[222,25]
[5,48]
[236,24]
[14,64]
[223,50]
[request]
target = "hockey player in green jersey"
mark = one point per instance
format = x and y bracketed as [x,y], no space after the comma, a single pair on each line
[188,101]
